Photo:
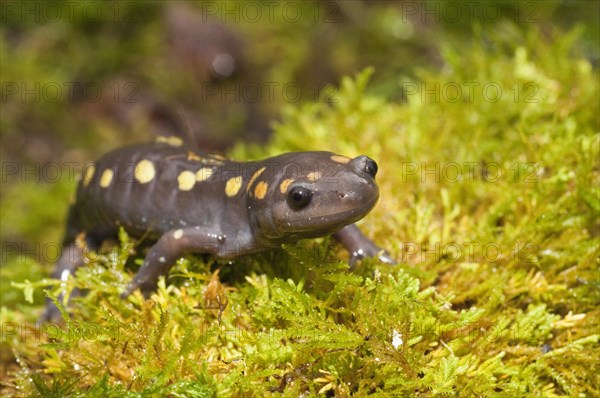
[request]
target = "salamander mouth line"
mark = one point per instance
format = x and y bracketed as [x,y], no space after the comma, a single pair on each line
[340,215]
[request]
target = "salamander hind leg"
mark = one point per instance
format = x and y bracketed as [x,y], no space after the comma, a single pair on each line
[70,259]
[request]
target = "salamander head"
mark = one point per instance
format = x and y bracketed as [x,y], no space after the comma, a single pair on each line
[311,194]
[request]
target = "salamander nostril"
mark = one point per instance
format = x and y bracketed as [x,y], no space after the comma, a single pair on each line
[370,167]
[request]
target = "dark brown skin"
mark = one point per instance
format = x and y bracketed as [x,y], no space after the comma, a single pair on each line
[191,202]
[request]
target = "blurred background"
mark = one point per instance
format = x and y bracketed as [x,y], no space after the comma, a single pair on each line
[82,77]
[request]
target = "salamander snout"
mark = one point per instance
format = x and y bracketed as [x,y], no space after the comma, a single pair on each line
[364,164]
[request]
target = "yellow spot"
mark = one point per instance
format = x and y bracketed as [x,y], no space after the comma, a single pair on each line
[285,184]
[314,176]
[80,241]
[186,180]
[203,174]
[106,179]
[210,158]
[170,140]
[261,190]
[178,234]
[340,159]
[256,174]
[193,156]
[212,161]
[233,185]
[89,174]
[144,171]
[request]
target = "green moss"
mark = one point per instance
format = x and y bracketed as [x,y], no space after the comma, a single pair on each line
[496,292]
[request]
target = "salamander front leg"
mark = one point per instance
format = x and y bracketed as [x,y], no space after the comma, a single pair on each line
[360,246]
[168,249]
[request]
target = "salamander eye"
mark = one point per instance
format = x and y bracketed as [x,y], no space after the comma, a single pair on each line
[370,167]
[299,197]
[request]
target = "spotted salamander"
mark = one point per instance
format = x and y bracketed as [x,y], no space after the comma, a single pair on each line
[189,201]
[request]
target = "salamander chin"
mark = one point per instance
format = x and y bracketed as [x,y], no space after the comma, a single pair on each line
[326,223]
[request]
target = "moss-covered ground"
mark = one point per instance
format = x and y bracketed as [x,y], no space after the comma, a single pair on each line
[490,201]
